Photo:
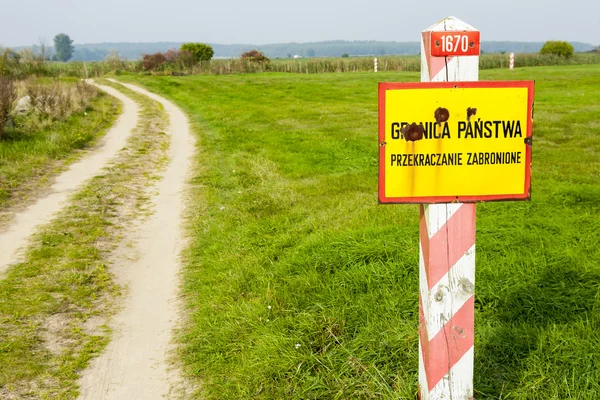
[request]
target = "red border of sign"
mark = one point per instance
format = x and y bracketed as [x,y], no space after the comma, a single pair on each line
[383,86]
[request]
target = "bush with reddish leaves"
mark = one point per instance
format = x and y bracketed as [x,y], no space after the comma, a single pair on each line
[255,56]
[151,62]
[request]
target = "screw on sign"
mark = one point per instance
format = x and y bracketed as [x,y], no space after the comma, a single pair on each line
[447,143]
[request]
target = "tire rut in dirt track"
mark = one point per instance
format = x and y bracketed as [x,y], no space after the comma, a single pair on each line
[135,363]
[15,237]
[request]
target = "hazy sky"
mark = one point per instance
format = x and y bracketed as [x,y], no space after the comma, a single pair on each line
[23,22]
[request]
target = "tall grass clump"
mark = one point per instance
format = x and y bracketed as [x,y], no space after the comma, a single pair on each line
[8,95]
[57,101]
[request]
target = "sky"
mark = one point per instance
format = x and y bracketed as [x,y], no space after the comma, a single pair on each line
[26,22]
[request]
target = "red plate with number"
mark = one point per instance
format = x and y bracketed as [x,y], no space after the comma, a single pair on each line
[458,43]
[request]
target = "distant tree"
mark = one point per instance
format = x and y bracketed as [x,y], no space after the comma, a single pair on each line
[200,51]
[345,55]
[255,56]
[558,48]
[63,47]
[43,49]
[310,53]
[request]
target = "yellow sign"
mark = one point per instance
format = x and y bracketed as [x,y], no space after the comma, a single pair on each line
[455,141]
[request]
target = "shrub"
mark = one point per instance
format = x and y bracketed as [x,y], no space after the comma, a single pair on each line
[151,62]
[345,55]
[255,56]
[9,62]
[8,95]
[184,59]
[200,51]
[558,48]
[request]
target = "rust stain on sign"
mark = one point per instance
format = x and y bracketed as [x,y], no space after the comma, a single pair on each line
[441,115]
[413,132]
[471,112]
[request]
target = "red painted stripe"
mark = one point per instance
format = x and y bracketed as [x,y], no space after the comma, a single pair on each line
[434,64]
[449,244]
[449,345]
[423,335]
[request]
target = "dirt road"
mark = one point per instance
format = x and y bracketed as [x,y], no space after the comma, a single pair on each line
[135,363]
[25,222]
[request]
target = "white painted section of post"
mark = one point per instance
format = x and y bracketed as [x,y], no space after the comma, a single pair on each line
[375,64]
[512,60]
[457,384]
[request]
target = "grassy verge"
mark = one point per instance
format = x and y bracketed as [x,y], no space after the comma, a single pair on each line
[299,285]
[39,147]
[53,306]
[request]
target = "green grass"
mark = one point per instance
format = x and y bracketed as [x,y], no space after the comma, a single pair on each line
[29,158]
[298,285]
[51,303]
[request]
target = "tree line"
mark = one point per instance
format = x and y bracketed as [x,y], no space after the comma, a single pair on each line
[134,51]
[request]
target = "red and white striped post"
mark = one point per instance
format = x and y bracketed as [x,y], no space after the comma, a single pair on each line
[512,61]
[447,259]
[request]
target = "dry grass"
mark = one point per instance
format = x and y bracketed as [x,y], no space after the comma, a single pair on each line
[8,95]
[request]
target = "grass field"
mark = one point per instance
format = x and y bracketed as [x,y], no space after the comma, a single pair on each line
[299,285]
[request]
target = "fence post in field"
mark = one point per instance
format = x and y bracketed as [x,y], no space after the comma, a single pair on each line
[375,64]
[512,60]
[447,243]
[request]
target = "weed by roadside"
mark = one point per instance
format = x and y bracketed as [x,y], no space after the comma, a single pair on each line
[57,100]
[8,95]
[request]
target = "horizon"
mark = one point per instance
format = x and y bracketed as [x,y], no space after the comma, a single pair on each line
[269,21]
[51,44]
